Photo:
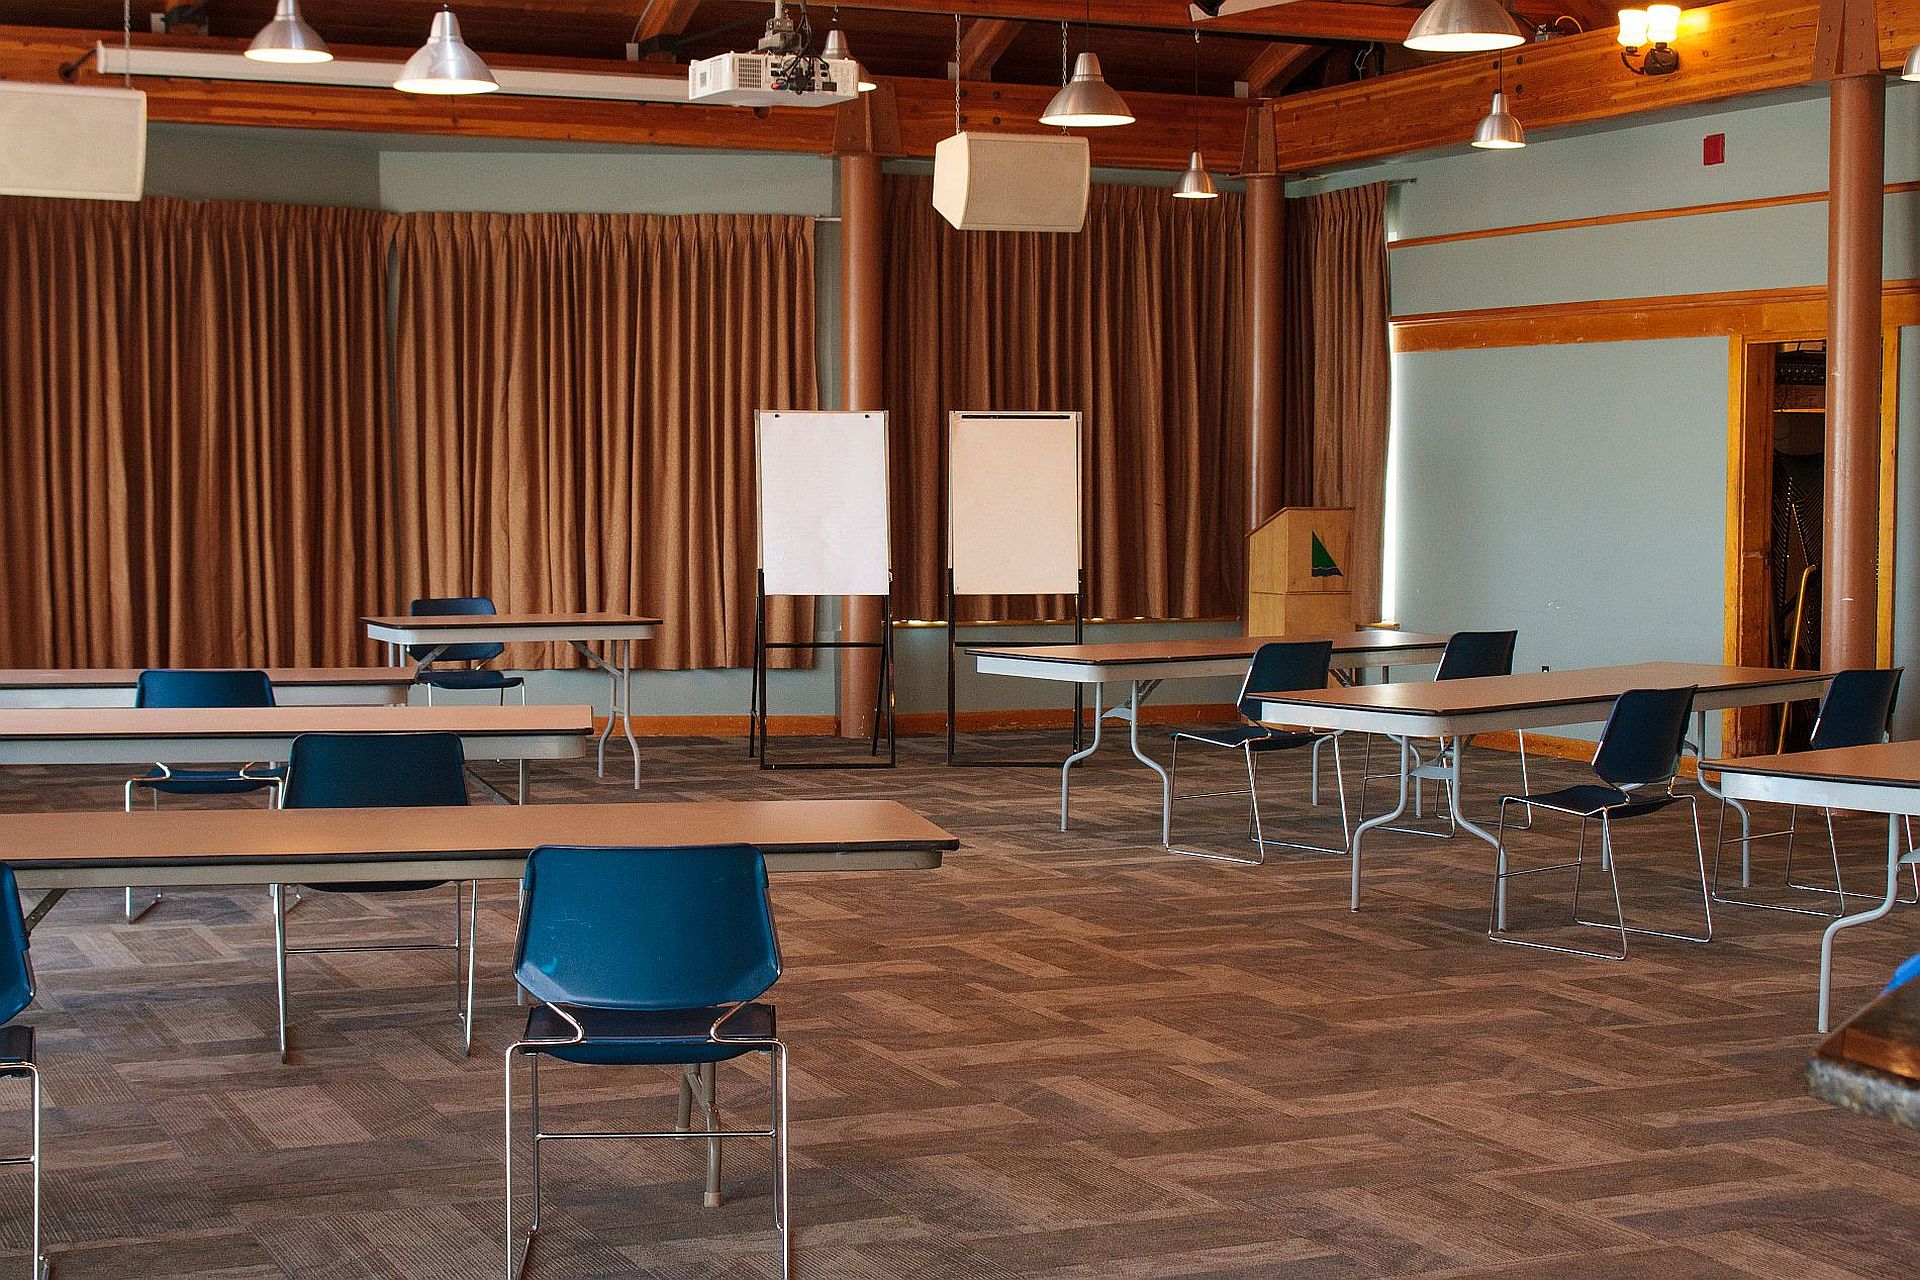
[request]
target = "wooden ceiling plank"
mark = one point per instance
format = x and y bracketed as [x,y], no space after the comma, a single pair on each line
[664,18]
[924,108]
[1727,50]
[1301,19]
[1277,64]
[981,44]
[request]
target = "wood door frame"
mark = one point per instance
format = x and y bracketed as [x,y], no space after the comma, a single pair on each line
[1750,510]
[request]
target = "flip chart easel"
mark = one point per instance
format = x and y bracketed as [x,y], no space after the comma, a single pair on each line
[823,532]
[1013,528]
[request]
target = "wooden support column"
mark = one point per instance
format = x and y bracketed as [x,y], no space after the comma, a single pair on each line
[860,344]
[1856,173]
[1264,264]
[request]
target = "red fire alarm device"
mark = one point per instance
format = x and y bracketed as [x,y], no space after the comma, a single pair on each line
[1713,149]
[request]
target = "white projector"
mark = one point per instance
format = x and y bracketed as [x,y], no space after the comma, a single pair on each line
[755,80]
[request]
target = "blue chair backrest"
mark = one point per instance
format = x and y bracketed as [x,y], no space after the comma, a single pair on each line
[165,687]
[1285,667]
[1857,710]
[375,771]
[455,606]
[1477,653]
[16,975]
[650,929]
[1643,737]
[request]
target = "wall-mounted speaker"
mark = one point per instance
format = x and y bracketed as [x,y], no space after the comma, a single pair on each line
[1012,181]
[74,141]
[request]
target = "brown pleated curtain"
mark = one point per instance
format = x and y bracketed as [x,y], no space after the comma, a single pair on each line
[574,413]
[192,457]
[1136,322]
[1336,369]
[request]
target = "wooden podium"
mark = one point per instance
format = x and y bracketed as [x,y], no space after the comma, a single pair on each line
[1297,572]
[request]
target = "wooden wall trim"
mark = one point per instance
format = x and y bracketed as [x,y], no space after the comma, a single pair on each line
[1685,315]
[1640,215]
[1727,50]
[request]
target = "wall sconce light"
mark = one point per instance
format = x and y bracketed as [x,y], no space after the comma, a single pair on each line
[1653,30]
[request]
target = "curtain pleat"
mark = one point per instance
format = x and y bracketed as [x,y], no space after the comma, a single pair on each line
[1136,322]
[574,417]
[1336,371]
[191,417]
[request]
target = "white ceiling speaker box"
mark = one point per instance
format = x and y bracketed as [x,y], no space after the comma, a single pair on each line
[72,141]
[1012,181]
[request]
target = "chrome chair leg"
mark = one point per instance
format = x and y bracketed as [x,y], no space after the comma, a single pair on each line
[280,959]
[516,1256]
[782,1210]
[683,1108]
[473,951]
[710,1091]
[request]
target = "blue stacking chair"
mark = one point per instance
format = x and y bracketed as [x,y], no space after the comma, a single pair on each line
[1280,667]
[1468,655]
[1856,711]
[478,676]
[1636,766]
[17,1057]
[649,957]
[213,688]
[376,771]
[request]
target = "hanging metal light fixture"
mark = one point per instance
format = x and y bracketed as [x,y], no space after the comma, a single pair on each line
[836,50]
[1196,183]
[1086,100]
[1499,129]
[1464,26]
[288,38]
[444,64]
[1912,70]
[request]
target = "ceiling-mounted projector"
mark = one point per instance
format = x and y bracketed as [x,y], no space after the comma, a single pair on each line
[781,72]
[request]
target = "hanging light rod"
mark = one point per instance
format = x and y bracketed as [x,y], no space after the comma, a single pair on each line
[201,64]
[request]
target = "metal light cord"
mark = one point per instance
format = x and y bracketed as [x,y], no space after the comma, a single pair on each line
[126,42]
[956,73]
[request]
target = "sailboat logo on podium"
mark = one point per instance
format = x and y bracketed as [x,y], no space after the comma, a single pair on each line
[1323,563]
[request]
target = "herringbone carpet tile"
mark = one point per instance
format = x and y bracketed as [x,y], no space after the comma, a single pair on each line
[1061,1055]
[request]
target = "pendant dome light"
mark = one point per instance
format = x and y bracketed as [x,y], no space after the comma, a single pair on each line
[1912,70]
[1499,130]
[444,64]
[288,38]
[1085,101]
[836,50]
[1464,26]
[1196,183]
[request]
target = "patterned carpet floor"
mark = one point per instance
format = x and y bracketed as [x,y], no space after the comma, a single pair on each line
[1063,1055]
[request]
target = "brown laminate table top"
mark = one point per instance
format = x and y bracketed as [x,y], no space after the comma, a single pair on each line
[1190,649]
[1571,686]
[1884,1036]
[74,723]
[213,836]
[507,621]
[128,677]
[1878,764]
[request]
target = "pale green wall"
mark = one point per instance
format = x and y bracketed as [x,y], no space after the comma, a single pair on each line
[1578,492]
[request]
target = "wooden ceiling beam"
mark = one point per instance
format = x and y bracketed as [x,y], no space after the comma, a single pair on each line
[662,18]
[923,108]
[1300,19]
[1727,50]
[982,42]
[1277,64]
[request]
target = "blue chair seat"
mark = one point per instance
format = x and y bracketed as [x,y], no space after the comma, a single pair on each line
[469,678]
[1587,799]
[16,1046]
[626,1037]
[1255,737]
[208,782]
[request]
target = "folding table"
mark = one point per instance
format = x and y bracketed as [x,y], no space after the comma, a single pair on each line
[436,632]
